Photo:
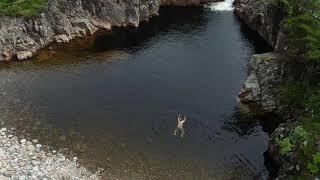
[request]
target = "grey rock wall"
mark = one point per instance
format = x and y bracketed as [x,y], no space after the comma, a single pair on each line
[64,20]
[261,16]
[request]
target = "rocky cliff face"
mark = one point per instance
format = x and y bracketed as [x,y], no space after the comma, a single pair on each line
[289,165]
[257,93]
[262,17]
[64,20]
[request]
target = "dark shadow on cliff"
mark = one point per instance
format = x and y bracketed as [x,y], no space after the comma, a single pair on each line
[258,43]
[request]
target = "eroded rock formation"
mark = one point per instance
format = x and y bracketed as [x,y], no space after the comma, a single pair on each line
[64,20]
[261,16]
[258,93]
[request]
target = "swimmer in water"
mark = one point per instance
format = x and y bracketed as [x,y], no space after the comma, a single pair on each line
[180,125]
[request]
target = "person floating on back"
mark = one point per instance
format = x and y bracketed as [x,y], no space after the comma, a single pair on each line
[181,121]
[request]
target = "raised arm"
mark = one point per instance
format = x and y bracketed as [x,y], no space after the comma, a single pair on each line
[184,119]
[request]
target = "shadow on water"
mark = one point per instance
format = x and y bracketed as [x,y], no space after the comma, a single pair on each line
[259,44]
[172,21]
[112,99]
[116,44]
[245,124]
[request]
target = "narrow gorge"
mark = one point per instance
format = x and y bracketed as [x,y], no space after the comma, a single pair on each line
[94,87]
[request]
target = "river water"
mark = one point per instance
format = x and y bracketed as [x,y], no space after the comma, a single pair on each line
[112,99]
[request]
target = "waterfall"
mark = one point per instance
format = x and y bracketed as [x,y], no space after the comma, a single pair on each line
[225,5]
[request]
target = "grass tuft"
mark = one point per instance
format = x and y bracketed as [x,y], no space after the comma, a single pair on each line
[26,8]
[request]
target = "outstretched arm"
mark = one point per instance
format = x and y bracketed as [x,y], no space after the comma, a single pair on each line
[184,119]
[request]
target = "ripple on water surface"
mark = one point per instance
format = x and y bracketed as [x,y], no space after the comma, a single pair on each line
[112,99]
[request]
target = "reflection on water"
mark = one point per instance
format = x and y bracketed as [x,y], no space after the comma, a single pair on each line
[113,99]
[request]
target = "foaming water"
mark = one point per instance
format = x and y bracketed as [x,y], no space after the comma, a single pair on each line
[226,5]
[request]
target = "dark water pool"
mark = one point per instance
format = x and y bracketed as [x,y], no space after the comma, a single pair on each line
[113,99]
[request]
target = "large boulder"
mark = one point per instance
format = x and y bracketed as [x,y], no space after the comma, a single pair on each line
[258,93]
[23,55]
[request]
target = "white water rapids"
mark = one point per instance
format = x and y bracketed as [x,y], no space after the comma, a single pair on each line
[225,5]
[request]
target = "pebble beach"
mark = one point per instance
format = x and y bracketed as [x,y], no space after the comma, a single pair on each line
[22,159]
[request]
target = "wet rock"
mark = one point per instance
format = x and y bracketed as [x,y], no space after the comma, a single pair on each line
[23,55]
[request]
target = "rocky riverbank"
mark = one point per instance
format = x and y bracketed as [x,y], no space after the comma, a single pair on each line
[27,159]
[260,93]
[262,17]
[62,21]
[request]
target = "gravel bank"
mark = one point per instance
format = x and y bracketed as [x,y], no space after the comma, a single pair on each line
[24,159]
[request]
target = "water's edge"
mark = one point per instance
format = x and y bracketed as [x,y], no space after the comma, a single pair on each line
[51,48]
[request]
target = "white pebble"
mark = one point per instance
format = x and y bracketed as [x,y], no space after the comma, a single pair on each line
[22,141]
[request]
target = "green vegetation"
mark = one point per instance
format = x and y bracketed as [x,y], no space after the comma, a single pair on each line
[285,146]
[301,93]
[302,28]
[27,8]
[303,32]
[298,135]
[304,138]
[293,94]
[294,140]
[314,166]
